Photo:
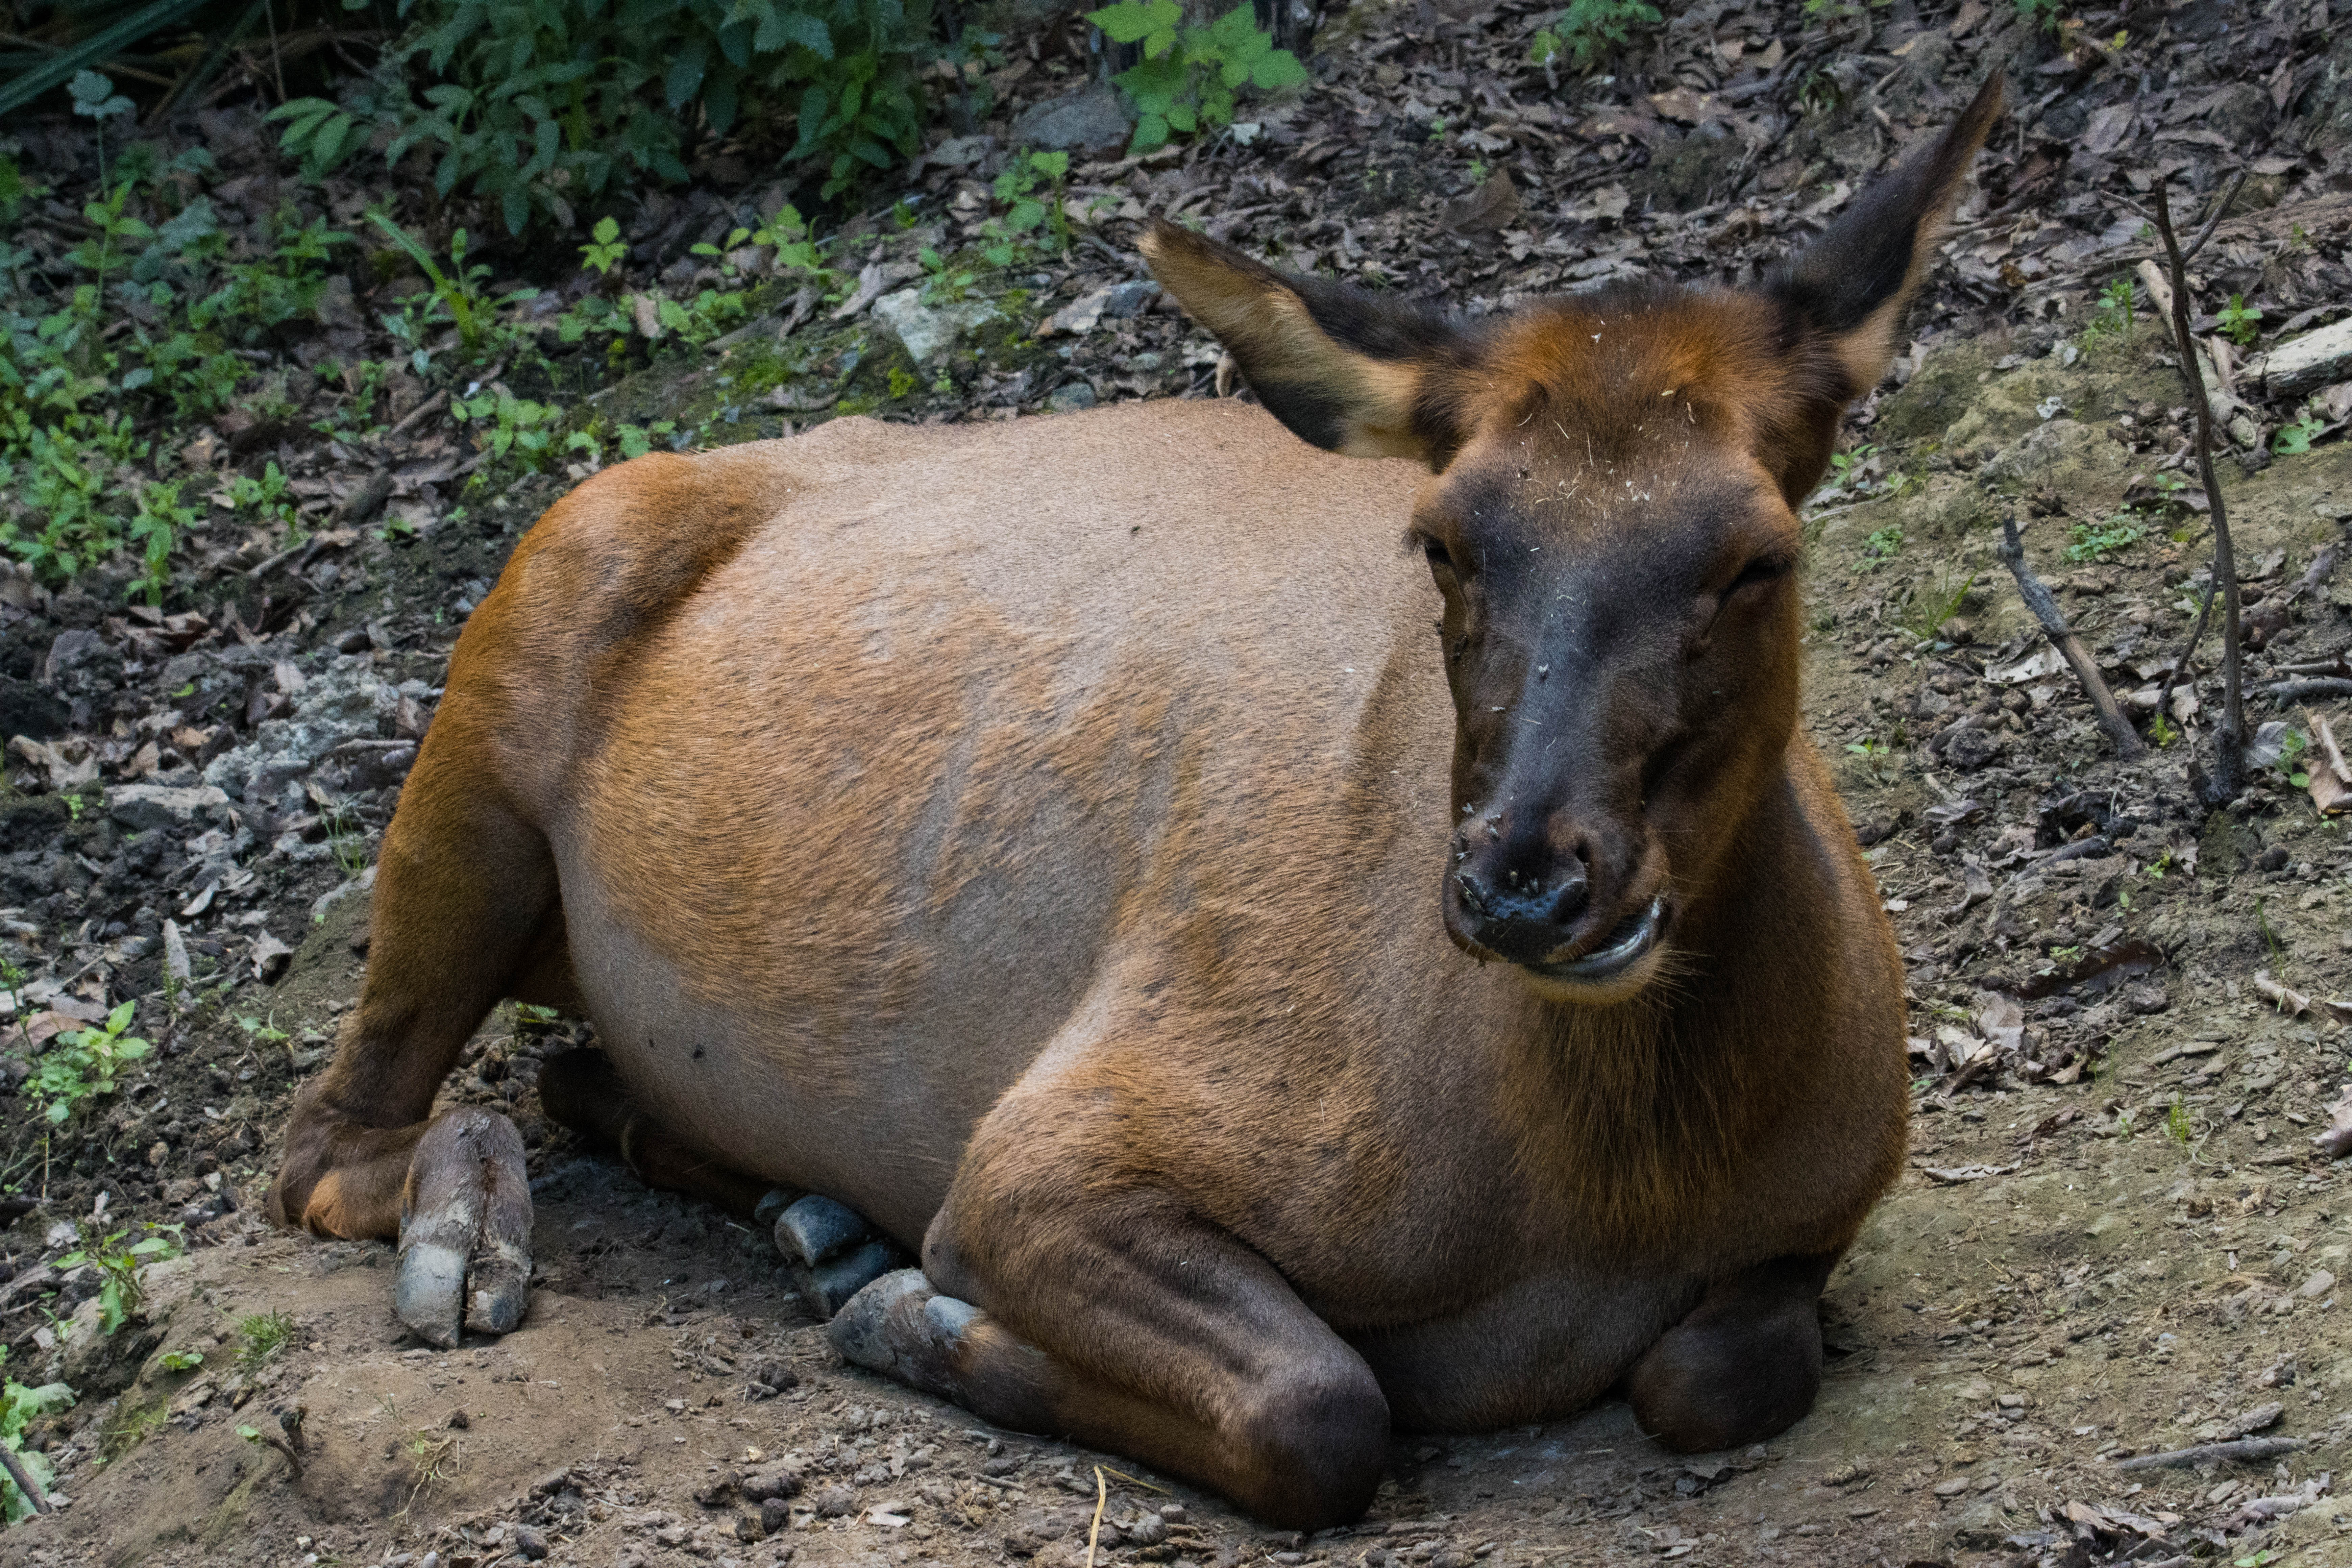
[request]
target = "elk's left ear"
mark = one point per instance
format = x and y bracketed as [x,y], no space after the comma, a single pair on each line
[1852,283]
[1346,370]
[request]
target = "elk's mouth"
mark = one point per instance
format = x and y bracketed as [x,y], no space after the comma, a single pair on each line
[1619,951]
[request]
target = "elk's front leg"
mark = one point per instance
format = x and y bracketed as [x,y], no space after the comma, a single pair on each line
[1745,1365]
[464,913]
[1133,1327]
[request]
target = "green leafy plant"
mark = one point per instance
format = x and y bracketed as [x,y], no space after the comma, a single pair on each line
[2176,1122]
[181,1361]
[604,249]
[534,106]
[1589,31]
[120,1293]
[507,426]
[1928,609]
[2239,321]
[1188,75]
[458,291]
[19,1407]
[2089,542]
[637,440]
[83,1064]
[2111,311]
[1032,219]
[2294,439]
[2047,15]
[1881,545]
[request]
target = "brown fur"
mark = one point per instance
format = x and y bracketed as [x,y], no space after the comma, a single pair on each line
[1025,834]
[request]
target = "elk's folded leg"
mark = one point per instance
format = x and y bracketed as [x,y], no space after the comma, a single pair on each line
[1148,1334]
[464,913]
[1744,1365]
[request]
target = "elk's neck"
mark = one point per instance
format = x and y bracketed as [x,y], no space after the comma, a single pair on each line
[1636,1114]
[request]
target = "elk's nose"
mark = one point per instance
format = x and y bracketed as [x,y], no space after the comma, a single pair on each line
[1524,916]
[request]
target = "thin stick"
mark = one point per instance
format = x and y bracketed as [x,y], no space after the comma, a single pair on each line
[2061,636]
[2219,214]
[2229,736]
[2187,650]
[23,1477]
[2244,1451]
[1094,1531]
[2326,734]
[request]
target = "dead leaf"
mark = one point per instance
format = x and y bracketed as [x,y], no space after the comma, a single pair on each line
[270,957]
[1492,207]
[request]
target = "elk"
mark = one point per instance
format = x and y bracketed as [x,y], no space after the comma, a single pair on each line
[1286,987]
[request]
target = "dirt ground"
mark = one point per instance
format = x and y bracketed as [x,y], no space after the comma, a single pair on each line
[2115,1236]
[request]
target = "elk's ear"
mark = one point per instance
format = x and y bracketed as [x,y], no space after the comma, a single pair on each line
[1346,370]
[1853,282]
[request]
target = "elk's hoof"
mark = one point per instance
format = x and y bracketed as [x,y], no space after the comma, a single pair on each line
[902,1327]
[465,1229]
[833,1252]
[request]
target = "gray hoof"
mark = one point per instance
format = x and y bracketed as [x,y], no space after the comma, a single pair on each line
[902,1327]
[833,1252]
[813,1228]
[463,1260]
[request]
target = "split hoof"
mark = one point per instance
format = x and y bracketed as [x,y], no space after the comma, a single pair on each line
[833,1252]
[902,1327]
[464,1230]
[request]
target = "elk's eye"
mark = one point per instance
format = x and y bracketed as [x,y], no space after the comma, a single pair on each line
[1763,569]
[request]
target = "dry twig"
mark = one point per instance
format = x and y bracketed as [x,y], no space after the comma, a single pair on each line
[2229,736]
[2244,1450]
[23,1476]
[2061,636]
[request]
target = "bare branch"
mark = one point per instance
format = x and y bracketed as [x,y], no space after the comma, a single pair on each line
[2061,636]
[2229,736]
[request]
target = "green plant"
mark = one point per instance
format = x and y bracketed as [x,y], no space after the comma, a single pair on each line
[2176,1122]
[604,249]
[95,99]
[19,1407]
[1006,237]
[458,291]
[2046,15]
[83,1064]
[1589,30]
[181,1361]
[2161,733]
[262,1338]
[1928,611]
[2113,311]
[2294,439]
[347,838]
[2239,321]
[507,426]
[120,1293]
[1188,75]
[2087,541]
[1881,545]
[534,106]
[1847,467]
[637,440]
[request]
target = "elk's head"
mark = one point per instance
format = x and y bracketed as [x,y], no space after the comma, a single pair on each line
[1611,524]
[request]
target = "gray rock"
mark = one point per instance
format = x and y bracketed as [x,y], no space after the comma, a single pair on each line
[1091,120]
[928,332]
[1117,302]
[1069,399]
[1981,1525]
[140,807]
[531,1543]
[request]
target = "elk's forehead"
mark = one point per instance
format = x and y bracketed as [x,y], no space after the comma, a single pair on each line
[1559,485]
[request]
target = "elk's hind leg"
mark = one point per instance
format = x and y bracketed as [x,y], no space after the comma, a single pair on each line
[465,912]
[832,1250]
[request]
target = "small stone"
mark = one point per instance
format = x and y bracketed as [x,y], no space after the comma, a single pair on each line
[2318,1285]
[836,1501]
[1090,120]
[459,1421]
[530,1542]
[141,807]
[776,1513]
[928,332]
[1071,398]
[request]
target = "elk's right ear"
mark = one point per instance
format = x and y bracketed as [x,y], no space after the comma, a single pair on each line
[1346,370]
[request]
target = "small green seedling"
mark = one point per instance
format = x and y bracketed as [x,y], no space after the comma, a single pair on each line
[2239,321]
[604,249]
[262,1338]
[120,1293]
[85,1063]
[181,1361]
